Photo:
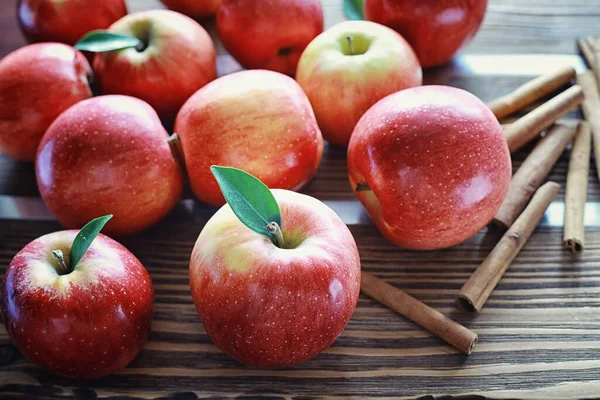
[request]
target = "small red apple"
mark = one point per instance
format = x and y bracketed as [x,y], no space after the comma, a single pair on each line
[259,121]
[351,66]
[66,21]
[107,155]
[435,164]
[193,8]
[274,306]
[269,34]
[435,29]
[37,83]
[177,58]
[85,322]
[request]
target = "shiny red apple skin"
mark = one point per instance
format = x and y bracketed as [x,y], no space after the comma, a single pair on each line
[268,306]
[437,164]
[269,34]
[37,83]
[259,121]
[180,58]
[435,29]
[342,85]
[86,324]
[193,8]
[108,155]
[66,21]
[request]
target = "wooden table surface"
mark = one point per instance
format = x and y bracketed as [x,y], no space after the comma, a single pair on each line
[539,332]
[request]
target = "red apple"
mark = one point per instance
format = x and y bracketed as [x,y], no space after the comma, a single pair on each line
[66,21]
[269,34]
[108,155]
[194,8]
[435,163]
[86,323]
[177,59]
[259,121]
[37,83]
[271,306]
[351,66]
[435,29]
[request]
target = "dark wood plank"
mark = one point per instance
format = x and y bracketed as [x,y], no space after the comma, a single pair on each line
[539,330]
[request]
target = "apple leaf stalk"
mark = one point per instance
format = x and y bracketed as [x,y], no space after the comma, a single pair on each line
[100,41]
[251,201]
[81,244]
[354,9]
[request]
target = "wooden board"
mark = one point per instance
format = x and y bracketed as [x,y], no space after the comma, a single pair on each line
[539,333]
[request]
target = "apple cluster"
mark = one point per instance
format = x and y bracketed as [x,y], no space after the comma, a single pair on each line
[429,163]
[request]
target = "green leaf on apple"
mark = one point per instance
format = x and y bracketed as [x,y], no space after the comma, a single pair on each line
[100,41]
[354,9]
[84,239]
[250,199]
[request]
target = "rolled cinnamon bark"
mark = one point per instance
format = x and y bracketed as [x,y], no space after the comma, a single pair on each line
[531,125]
[590,48]
[532,173]
[435,322]
[480,285]
[531,91]
[576,190]
[591,110]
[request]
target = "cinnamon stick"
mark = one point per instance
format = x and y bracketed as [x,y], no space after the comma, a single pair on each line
[576,190]
[531,125]
[591,110]
[532,173]
[480,285]
[435,322]
[531,91]
[590,48]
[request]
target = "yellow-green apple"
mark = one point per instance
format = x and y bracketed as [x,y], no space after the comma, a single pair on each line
[276,304]
[430,165]
[108,154]
[66,21]
[269,34]
[435,29]
[194,8]
[84,321]
[176,58]
[350,67]
[37,83]
[259,121]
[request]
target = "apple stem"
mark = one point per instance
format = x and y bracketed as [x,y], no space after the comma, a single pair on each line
[350,47]
[177,150]
[362,187]
[274,228]
[58,254]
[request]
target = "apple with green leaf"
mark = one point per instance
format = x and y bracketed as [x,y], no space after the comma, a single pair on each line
[66,21]
[37,83]
[348,68]
[275,275]
[269,34]
[108,154]
[77,303]
[159,56]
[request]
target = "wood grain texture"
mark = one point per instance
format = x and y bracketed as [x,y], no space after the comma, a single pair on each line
[539,329]
[539,334]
